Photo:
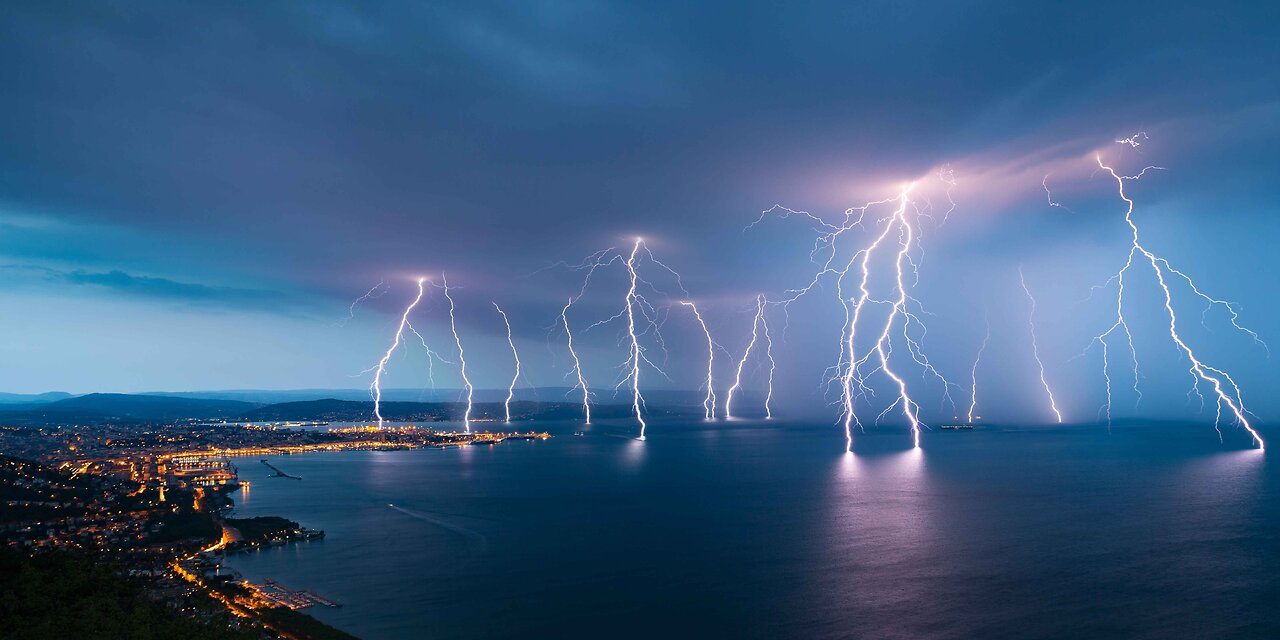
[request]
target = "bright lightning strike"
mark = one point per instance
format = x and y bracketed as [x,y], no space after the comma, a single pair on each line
[1225,389]
[1035,345]
[577,364]
[511,390]
[756,322]
[462,358]
[636,354]
[709,402]
[642,320]
[773,366]
[973,373]
[851,370]
[376,387]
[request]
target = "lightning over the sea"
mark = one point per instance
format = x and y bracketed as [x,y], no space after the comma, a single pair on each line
[376,387]
[641,318]
[511,390]
[709,402]
[636,353]
[973,373]
[756,321]
[1035,345]
[577,364]
[1226,392]
[462,357]
[851,371]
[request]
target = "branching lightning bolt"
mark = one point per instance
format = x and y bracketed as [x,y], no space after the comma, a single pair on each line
[848,372]
[641,318]
[636,353]
[1035,345]
[376,387]
[511,390]
[462,358]
[1225,389]
[708,403]
[351,310]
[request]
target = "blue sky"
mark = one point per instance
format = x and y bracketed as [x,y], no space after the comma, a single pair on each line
[190,196]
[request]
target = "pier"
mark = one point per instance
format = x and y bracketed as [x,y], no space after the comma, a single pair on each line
[278,473]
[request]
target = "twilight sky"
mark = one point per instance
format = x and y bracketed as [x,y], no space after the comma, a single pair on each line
[191,196]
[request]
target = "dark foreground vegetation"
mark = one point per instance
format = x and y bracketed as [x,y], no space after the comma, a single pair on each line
[62,595]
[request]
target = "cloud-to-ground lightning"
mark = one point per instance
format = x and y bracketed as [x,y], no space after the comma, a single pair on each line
[851,370]
[642,318]
[351,310]
[376,387]
[1035,345]
[973,373]
[577,364]
[709,402]
[1225,389]
[462,357]
[511,390]
[759,331]
[773,365]
[742,362]
[636,354]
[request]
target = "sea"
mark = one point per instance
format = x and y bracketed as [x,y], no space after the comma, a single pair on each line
[770,529]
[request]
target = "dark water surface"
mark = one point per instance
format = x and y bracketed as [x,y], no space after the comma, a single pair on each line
[770,530]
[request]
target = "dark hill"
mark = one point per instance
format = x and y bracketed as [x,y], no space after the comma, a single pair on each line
[33,398]
[120,406]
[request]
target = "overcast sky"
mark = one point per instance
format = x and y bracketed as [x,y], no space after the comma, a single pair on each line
[191,196]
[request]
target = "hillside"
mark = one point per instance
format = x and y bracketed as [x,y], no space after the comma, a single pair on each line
[102,407]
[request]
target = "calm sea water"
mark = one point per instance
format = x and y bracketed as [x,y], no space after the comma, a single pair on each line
[770,530]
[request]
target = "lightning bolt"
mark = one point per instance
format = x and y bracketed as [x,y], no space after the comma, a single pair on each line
[351,310]
[511,390]
[636,353]
[746,353]
[708,403]
[768,354]
[973,373]
[906,236]
[462,357]
[1225,389]
[641,319]
[851,371]
[577,364]
[376,387]
[1035,346]
[1048,195]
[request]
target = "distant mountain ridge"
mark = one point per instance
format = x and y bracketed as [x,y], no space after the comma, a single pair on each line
[97,408]
[33,398]
[102,407]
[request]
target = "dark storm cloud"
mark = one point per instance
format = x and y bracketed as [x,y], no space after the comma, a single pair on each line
[493,138]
